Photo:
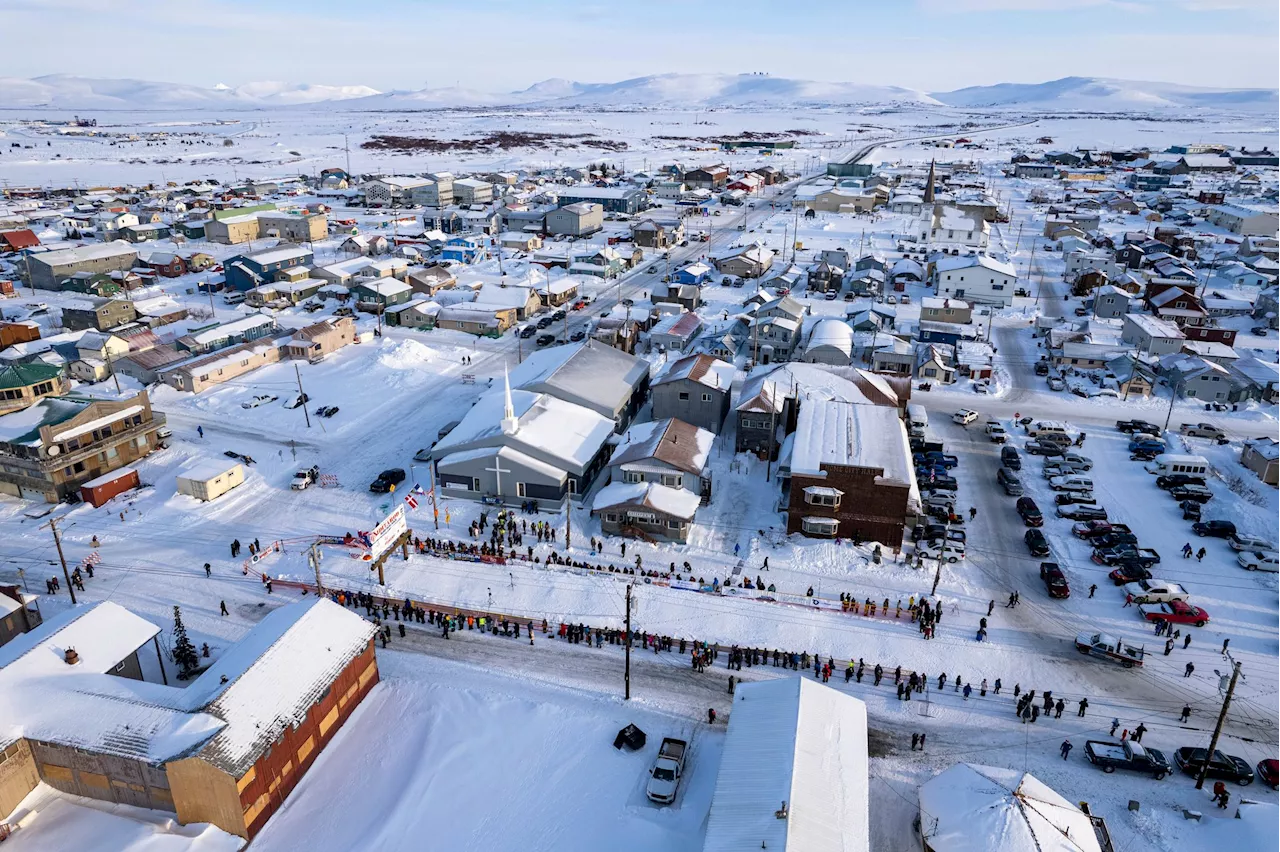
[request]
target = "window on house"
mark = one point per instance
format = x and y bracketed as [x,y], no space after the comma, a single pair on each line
[674,525]
[520,489]
[475,484]
[706,397]
[684,397]
[820,526]
[632,476]
[817,496]
[671,480]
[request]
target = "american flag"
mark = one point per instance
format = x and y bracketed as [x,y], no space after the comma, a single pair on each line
[411,500]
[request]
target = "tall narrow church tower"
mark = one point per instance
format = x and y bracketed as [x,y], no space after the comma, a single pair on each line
[928,185]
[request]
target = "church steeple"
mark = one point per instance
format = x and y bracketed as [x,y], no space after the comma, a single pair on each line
[510,424]
[928,185]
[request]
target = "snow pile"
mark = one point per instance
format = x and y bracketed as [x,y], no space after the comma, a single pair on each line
[405,354]
[47,819]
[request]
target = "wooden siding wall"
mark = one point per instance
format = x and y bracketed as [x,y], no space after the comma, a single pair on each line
[100,776]
[202,793]
[279,769]
[18,775]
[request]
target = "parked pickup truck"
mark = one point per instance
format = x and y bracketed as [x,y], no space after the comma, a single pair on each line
[1127,552]
[664,777]
[305,478]
[1127,755]
[1155,591]
[1093,529]
[1109,647]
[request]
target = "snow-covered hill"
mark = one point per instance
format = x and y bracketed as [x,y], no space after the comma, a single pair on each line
[1107,95]
[659,90]
[69,92]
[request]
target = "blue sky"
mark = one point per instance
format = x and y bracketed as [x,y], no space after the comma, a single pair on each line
[499,45]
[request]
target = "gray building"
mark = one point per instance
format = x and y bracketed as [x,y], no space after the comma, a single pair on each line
[614,199]
[696,390]
[98,314]
[667,452]
[590,374]
[516,446]
[576,220]
[1110,302]
[1152,335]
[50,269]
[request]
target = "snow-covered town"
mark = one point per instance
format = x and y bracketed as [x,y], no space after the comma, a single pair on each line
[696,462]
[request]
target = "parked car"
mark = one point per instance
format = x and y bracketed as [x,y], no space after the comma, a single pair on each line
[528,331]
[947,461]
[1147,446]
[1036,543]
[1175,612]
[1077,461]
[578,335]
[964,416]
[546,339]
[387,481]
[1131,426]
[1190,510]
[997,433]
[1202,430]
[1075,498]
[1225,767]
[1009,458]
[1196,493]
[1055,383]
[1259,560]
[1127,755]
[1125,552]
[1040,447]
[944,532]
[1215,529]
[1009,481]
[1269,772]
[1153,590]
[305,478]
[1175,480]
[260,399]
[1042,368]
[1094,529]
[1129,572]
[1055,582]
[942,550]
[1115,539]
[936,482]
[1082,512]
[664,775]
[1249,542]
[1029,512]
[1059,467]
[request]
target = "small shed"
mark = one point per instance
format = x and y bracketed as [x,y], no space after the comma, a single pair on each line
[211,479]
[97,491]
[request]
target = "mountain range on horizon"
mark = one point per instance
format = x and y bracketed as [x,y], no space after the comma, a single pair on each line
[1090,94]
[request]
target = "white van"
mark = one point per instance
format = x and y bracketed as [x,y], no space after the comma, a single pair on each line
[1047,427]
[917,417]
[1167,464]
[943,551]
[235,297]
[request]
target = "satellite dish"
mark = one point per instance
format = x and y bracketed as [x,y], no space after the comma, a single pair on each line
[53,450]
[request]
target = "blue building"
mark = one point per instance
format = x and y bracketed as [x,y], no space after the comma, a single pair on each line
[246,271]
[614,199]
[1147,181]
[462,250]
[694,273]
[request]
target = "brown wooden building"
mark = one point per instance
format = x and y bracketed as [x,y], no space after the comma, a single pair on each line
[850,472]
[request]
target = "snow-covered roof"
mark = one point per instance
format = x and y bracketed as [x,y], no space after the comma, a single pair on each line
[102,634]
[845,434]
[797,743]
[832,332]
[279,254]
[950,264]
[209,469]
[679,444]
[588,371]
[971,808]
[79,254]
[701,368]
[557,430]
[676,502]
[384,286]
[499,296]
[231,329]
[274,676]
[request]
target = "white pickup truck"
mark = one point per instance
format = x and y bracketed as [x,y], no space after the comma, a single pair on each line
[1110,648]
[664,777]
[1154,590]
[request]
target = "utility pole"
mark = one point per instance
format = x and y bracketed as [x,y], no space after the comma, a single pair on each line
[626,676]
[57,541]
[431,474]
[568,506]
[315,563]
[1173,397]
[107,350]
[1217,729]
[301,396]
[347,148]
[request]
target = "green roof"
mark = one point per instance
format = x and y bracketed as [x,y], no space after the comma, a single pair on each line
[23,426]
[23,375]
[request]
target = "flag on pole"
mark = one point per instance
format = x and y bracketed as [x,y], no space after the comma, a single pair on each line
[417,489]
[411,500]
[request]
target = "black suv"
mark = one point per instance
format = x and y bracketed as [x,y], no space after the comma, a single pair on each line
[1009,458]
[1227,767]
[387,481]
[1030,512]
[1174,480]
[1197,493]
[1216,529]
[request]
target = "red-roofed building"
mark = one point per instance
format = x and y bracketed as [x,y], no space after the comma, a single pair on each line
[11,241]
